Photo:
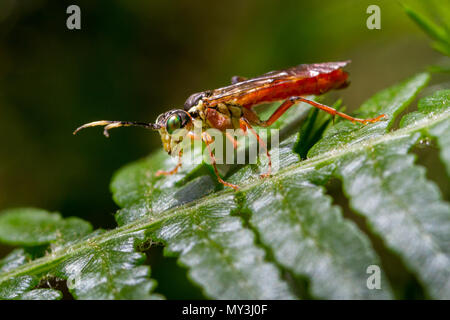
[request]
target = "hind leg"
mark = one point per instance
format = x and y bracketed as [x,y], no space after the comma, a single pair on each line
[293,100]
[207,139]
[245,125]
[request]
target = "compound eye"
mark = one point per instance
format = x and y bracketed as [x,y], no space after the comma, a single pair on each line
[173,123]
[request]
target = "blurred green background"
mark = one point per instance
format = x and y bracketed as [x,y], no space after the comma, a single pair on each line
[135,59]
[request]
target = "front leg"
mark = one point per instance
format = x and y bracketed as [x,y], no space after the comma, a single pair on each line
[173,171]
[207,139]
[245,125]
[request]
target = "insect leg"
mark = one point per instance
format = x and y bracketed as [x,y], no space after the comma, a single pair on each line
[208,140]
[232,140]
[193,136]
[173,171]
[115,124]
[244,124]
[293,100]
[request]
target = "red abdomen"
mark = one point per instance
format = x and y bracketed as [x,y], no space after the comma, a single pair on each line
[301,80]
[281,90]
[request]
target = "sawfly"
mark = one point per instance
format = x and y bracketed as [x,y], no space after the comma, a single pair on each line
[231,107]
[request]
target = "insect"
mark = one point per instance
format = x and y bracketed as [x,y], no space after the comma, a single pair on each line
[231,107]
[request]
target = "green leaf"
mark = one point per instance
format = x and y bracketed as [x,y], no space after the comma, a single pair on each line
[161,193]
[428,108]
[20,288]
[312,131]
[282,156]
[309,237]
[13,288]
[32,227]
[439,68]
[15,259]
[439,33]
[404,208]
[275,234]
[108,270]
[431,28]
[42,294]
[221,253]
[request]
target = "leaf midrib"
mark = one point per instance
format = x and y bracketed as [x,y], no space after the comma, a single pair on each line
[45,263]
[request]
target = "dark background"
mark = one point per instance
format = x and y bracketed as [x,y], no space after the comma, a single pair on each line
[135,59]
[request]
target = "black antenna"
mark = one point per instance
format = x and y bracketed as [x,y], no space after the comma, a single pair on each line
[116,124]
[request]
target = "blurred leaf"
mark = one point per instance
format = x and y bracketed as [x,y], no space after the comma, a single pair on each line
[439,69]
[441,34]
[32,227]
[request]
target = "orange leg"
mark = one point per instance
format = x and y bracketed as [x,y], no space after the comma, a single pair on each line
[170,172]
[193,136]
[244,124]
[291,101]
[232,140]
[208,140]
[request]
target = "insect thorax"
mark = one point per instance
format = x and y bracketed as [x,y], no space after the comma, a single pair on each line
[229,111]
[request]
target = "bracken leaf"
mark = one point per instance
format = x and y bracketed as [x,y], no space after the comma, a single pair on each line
[308,236]
[109,270]
[221,254]
[261,241]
